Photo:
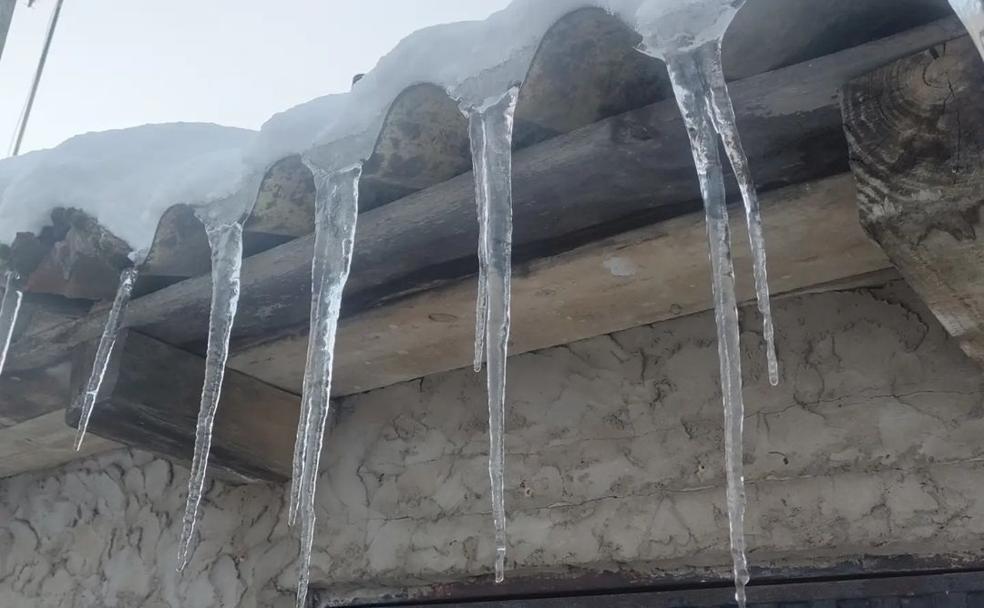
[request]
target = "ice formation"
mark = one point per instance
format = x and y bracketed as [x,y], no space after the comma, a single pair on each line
[225,238]
[336,209]
[9,307]
[971,13]
[688,38]
[106,343]
[164,165]
[490,129]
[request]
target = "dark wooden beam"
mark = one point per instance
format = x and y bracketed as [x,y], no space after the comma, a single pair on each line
[916,134]
[150,400]
[642,276]
[629,170]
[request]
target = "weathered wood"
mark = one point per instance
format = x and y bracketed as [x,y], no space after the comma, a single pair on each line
[42,443]
[586,69]
[285,203]
[150,399]
[916,134]
[32,393]
[73,257]
[643,276]
[180,247]
[914,589]
[423,141]
[625,171]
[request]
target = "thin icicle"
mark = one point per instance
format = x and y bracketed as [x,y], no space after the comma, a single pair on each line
[693,94]
[9,308]
[971,13]
[104,350]
[226,243]
[336,211]
[709,57]
[491,128]
[477,136]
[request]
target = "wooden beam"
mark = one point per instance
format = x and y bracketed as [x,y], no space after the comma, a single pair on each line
[42,443]
[629,170]
[916,134]
[31,393]
[643,276]
[150,400]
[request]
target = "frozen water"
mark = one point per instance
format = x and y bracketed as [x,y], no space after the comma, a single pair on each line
[106,342]
[9,307]
[727,126]
[491,127]
[336,210]
[689,41]
[694,97]
[226,242]
[477,139]
[971,13]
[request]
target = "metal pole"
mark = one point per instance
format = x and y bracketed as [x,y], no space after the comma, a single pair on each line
[6,14]
[26,114]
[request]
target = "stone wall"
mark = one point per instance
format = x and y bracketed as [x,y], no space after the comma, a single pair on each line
[866,455]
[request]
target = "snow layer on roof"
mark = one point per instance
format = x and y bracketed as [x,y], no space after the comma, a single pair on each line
[128,178]
[475,61]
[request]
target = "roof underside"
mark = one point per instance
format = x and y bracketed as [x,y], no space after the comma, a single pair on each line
[600,150]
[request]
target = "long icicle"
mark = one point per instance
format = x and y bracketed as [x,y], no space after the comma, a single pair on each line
[336,212]
[226,243]
[693,94]
[492,125]
[971,13]
[9,309]
[726,125]
[106,343]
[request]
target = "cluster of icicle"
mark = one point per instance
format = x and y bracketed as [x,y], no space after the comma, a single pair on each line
[702,95]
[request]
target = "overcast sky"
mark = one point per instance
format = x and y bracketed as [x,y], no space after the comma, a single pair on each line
[120,63]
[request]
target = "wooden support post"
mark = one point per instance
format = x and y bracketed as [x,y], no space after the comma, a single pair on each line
[150,397]
[916,134]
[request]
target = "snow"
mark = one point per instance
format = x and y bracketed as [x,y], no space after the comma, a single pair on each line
[126,179]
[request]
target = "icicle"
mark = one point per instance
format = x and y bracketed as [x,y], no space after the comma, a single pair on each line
[104,350]
[9,307]
[226,243]
[491,128]
[477,136]
[694,96]
[336,210]
[726,125]
[971,13]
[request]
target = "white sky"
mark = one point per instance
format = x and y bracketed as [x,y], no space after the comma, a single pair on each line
[120,63]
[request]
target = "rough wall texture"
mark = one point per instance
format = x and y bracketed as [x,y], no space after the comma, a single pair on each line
[869,449]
